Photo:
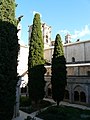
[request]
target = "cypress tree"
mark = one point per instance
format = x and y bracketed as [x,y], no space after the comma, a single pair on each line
[58,78]
[36,68]
[8,58]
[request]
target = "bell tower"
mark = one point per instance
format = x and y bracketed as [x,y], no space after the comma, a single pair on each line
[46,34]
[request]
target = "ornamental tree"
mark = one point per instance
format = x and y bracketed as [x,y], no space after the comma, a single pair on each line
[36,68]
[58,78]
[8,58]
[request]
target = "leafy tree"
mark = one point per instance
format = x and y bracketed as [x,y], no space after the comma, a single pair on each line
[58,78]
[36,68]
[8,58]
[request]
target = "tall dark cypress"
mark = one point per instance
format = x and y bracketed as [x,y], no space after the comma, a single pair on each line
[58,78]
[36,62]
[8,58]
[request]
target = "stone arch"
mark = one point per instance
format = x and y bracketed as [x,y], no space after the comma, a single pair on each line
[79,93]
[79,88]
[82,97]
[76,96]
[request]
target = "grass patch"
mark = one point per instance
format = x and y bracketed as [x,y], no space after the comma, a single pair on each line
[64,113]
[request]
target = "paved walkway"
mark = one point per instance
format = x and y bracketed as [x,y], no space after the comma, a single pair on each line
[24,115]
[75,105]
[70,104]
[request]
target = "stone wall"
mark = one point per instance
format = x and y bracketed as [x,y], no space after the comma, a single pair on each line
[79,84]
[78,50]
[78,70]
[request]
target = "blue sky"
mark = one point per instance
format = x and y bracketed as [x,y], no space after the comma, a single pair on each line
[64,16]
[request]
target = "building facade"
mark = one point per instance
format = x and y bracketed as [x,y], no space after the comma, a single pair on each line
[78,66]
[23,67]
[78,71]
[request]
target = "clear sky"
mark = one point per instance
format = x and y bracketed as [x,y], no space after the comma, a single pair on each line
[64,16]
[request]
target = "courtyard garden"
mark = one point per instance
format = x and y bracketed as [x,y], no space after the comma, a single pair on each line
[53,112]
[64,113]
[25,105]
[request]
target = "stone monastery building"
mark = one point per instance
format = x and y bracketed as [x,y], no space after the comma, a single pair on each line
[78,67]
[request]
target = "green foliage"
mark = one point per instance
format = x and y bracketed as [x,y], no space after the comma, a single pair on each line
[36,61]
[58,78]
[7,11]
[58,49]
[8,58]
[36,49]
[64,113]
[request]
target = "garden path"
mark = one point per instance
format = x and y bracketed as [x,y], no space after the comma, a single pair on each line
[24,115]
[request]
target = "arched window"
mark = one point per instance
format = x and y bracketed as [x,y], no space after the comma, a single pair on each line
[82,97]
[47,38]
[66,96]
[73,59]
[76,96]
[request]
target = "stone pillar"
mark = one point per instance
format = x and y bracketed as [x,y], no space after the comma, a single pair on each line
[18,92]
[88,93]
[71,93]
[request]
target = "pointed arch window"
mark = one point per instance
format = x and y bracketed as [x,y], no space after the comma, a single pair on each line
[82,97]
[76,96]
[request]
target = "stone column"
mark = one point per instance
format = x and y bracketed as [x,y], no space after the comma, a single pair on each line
[18,93]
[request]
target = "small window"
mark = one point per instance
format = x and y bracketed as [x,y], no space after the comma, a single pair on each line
[47,38]
[73,59]
[88,73]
